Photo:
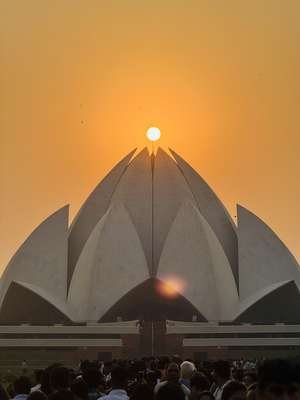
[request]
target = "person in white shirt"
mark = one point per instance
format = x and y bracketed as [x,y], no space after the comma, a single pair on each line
[119,380]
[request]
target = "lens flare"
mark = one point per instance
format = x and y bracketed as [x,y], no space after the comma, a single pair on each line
[170,287]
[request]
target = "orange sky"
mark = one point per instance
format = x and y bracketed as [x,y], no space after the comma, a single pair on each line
[81,80]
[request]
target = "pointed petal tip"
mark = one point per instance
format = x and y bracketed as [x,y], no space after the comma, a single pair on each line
[161,152]
[128,157]
[131,154]
[142,154]
[240,209]
[174,154]
[65,208]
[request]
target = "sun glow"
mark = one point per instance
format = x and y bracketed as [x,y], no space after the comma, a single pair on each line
[153,134]
[171,287]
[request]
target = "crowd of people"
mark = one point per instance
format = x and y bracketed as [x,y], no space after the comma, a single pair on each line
[160,379]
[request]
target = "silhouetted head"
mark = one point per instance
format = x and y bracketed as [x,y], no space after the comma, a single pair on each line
[221,371]
[151,378]
[60,378]
[234,390]
[199,384]
[173,372]
[249,379]
[45,378]
[142,391]
[170,391]
[80,389]
[237,374]
[93,377]
[119,377]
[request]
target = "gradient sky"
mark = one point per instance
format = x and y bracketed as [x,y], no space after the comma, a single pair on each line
[81,80]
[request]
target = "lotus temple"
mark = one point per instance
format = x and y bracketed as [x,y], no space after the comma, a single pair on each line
[151,264]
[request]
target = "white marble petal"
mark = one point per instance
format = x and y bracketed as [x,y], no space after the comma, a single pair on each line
[135,192]
[92,211]
[213,211]
[194,259]
[42,258]
[111,264]
[263,258]
[170,190]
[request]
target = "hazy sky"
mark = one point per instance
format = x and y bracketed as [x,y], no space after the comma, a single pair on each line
[80,82]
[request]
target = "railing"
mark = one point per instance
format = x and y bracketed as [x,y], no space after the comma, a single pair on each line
[128,327]
[241,342]
[175,327]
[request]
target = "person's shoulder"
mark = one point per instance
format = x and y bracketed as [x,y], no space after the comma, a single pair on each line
[104,397]
[94,395]
[159,385]
[185,389]
[112,396]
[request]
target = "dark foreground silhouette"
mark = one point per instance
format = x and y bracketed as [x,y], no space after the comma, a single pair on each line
[160,378]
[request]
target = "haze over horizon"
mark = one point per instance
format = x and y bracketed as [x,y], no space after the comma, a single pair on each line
[81,83]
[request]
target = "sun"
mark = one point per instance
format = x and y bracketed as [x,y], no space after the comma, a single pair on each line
[153,134]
